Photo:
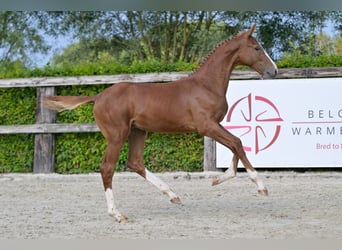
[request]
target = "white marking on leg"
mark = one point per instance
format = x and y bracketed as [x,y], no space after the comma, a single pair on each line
[162,186]
[112,211]
[253,175]
[230,173]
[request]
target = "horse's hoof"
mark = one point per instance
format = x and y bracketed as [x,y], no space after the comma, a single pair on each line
[263,192]
[122,219]
[176,200]
[216,181]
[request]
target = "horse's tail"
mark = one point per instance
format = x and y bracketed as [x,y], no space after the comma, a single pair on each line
[61,103]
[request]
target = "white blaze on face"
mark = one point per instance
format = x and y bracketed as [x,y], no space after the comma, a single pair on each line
[273,63]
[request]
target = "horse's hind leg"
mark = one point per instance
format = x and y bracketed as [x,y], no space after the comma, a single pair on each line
[230,172]
[253,175]
[107,172]
[136,142]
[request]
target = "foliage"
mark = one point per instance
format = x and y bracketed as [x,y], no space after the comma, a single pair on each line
[167,36]
[178,152]
[104,65]
[336,18]
[172,36]
[16,153]
[317,51]
[86,51]
[20,35]
[17,106]
[338,46]
[278,31]
[82,153]
[297,60]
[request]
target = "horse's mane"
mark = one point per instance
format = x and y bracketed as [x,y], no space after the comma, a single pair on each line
[205,59]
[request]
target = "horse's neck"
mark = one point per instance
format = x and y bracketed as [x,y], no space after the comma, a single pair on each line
[216,70]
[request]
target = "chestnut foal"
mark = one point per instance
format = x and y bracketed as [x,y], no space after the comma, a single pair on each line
[197,103]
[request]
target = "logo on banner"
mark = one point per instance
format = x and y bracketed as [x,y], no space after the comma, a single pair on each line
[256,120]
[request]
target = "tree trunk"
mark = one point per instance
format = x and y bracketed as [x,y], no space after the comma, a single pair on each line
[185,37]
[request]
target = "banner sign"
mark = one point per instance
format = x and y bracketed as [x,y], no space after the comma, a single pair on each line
[285,122]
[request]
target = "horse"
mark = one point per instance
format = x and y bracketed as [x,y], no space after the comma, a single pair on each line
[195,103]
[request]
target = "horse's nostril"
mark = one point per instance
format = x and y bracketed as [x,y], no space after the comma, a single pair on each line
[271,74]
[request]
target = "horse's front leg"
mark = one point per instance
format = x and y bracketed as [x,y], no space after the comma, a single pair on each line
[221,135]
[229,173]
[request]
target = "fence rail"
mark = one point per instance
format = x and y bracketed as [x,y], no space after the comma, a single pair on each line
[159,77]
[46,128]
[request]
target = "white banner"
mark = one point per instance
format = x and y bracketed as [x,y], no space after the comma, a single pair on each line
[285,122]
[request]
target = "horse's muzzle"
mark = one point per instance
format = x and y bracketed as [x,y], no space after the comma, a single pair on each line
[272,73]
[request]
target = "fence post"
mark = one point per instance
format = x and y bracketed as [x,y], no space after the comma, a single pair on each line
[209,154]
[44,144]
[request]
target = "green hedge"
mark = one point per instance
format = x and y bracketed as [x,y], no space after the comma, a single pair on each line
[17,106]
[305,61]
[83,152]
[104,67]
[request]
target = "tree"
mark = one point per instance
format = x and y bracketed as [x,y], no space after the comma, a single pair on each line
[165,35]
[168,36]
[20,35]
[280,32]
[338,46]
[90,50]
[189,35]
[336,18]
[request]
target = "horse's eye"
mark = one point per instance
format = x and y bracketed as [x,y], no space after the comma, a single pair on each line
[257,48]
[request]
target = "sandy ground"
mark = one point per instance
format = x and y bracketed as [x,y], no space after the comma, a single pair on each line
[300,205]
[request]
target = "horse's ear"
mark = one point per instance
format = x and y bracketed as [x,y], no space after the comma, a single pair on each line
[251,30]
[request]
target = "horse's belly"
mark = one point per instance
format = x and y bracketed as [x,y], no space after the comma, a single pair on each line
[169,125]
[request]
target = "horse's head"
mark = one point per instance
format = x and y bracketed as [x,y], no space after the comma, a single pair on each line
[252,54]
